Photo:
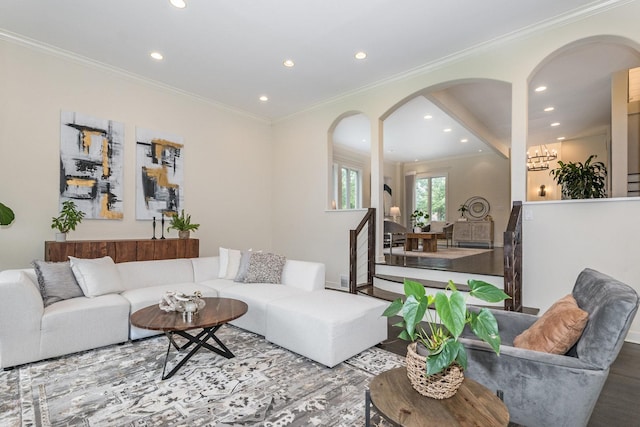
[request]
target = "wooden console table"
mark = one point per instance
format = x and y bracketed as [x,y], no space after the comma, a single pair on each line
[122,250]
[473,232]
[394,398]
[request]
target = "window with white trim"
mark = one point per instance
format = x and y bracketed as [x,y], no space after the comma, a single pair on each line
[431,195]
[347,190]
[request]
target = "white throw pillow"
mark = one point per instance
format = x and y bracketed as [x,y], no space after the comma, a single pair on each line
[224,261]
[437,226]
[234,264]
[97,276]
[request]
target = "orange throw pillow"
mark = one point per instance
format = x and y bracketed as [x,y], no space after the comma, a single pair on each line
[557,330]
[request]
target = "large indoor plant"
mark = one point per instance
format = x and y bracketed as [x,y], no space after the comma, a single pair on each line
[183,224]
[70,216]
[581,180]
[6,215]
[440,340]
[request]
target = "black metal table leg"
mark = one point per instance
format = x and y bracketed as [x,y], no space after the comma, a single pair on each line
[199,340]
[367,408]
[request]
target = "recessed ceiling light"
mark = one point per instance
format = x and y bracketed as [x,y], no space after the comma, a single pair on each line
[554,124]
[288,63]
[464,140]
[447,130]
[480,150]
[264,98]
[361,55]
[180,4]
[560,138]
[428,117]
[541,88]
[549,109]
[157,56]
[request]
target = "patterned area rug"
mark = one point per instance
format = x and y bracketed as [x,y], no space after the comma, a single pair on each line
[443,253]
[120,385]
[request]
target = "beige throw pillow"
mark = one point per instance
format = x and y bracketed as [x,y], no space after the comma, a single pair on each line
[557,330]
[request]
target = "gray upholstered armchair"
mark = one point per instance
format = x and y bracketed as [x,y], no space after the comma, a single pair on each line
[394,234]
[542,389]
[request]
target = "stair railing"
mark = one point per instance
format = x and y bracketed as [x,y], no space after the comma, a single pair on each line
[367,224]
[513,259]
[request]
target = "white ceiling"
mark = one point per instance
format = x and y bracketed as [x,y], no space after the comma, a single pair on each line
[231,52]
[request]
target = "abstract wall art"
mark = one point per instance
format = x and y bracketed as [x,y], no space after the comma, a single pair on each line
[159,174]
[91,165]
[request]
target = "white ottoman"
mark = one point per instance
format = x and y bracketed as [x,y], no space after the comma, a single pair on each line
[326,326]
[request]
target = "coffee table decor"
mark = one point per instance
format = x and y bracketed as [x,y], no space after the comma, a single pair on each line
[438,351]
[188,305]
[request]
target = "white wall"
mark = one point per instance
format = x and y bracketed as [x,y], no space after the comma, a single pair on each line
[578,226]
[228,170]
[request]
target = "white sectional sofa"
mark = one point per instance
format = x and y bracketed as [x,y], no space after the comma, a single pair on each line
[298,314]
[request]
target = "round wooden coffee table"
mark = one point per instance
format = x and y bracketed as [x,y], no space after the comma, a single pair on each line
[215,313]
[394,398]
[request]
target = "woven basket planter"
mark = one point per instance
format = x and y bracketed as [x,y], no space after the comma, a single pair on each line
[438,386]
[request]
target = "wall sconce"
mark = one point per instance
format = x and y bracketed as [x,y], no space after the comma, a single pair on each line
[395,213]
[542,192]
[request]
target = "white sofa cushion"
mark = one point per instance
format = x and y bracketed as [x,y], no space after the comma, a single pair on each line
[257,296]
[97,276]
[205,268]
[229,263]
[143,274]
[304,275]
[327,326]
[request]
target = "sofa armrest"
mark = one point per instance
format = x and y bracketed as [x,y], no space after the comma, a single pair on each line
[305,275]
[20,318]
[526,355]
[510,323]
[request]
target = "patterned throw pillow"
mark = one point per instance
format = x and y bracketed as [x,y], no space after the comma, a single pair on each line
[56,281]
[265,268]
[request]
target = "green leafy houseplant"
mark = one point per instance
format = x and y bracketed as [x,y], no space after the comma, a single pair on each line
[581,180]
[182,222]
[419,218]
[6,215]
[441,339]
[70,216]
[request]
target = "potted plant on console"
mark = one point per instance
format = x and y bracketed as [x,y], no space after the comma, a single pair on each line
[70,216]
[436,359]
[419,219]
[182,223]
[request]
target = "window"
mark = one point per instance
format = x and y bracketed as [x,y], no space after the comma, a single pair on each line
[431,196]
[347,190]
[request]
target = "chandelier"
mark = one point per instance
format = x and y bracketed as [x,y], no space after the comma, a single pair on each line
[540,160]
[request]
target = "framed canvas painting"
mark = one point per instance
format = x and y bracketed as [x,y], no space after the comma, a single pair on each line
[159,174]
[91,165]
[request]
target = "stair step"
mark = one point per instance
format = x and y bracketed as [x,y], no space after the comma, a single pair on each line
[434,284]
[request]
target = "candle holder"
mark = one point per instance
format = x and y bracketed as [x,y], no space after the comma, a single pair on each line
[162,228]
[154,229]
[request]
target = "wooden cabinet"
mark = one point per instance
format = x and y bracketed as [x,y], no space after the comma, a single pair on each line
[473,232]
[122,250]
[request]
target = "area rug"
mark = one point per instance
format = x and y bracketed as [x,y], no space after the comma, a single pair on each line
[120,385]
[443,253]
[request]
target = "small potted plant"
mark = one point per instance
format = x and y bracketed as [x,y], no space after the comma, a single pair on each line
[6,215]
[581,180]
[462,209]
[70,216]
[436,355]
[419,219]
[182,223]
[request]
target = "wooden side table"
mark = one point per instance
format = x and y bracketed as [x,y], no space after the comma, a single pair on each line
[394,398]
